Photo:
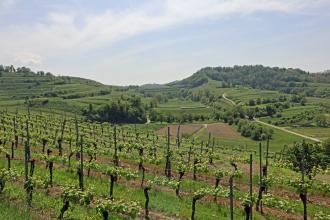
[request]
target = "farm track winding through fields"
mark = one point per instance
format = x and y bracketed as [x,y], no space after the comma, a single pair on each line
[273,126]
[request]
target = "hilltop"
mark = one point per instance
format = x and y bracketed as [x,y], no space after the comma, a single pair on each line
[287,80]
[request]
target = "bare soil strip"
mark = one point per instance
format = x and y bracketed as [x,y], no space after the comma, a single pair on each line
[188,129]
[222,130]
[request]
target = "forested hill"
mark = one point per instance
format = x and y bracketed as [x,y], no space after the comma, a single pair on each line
[271,78]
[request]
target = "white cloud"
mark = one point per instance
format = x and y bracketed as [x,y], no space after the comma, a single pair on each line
[26,58]
[59,35]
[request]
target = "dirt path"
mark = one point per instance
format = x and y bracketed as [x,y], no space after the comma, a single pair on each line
[227,99]
[276,127]
[148,119]
[200,131]
[288,131]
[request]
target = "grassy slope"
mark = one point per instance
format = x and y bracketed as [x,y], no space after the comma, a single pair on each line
[321,133]
[9,211]
[278,141]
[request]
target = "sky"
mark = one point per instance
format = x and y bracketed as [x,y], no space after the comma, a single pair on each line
[130,42]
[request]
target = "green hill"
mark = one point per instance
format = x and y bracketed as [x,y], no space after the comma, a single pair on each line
[17,89]
[21,88]
[287,80]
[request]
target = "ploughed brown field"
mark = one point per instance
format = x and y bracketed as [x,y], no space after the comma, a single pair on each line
[222,130]
[184,129]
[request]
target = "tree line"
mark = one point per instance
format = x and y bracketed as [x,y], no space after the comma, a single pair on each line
[130,110]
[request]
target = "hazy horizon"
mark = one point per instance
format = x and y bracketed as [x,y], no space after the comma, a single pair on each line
[145,42]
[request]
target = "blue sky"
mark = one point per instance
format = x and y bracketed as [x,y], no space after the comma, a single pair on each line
[158,41]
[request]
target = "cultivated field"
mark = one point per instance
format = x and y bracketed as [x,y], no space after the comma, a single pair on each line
[186,129]
[222,130]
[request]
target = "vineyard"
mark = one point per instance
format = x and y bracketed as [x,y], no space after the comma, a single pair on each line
[166,109]
[59,167]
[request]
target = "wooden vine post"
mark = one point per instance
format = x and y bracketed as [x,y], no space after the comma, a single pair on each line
[197,196]
[303,192]
[261,182]
[178,137]
[195,168]
[251,166]
[154,153]
[89,162]
[28,184]
[265,173]
[208,141]
[27,152]
[141,154]
[181,171]
[112,182]
[12,149]
[191,150]
[143,175]
[115,156]
[60,141]
[28,175]
[70,139]
[81,167]
[168,159]
[77,137]
[146,205]
[193,207]
[15,132]
[212,151]
[49,165]
[8,160]
[231,197]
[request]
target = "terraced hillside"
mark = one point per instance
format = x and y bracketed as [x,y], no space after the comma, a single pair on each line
[45,90]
